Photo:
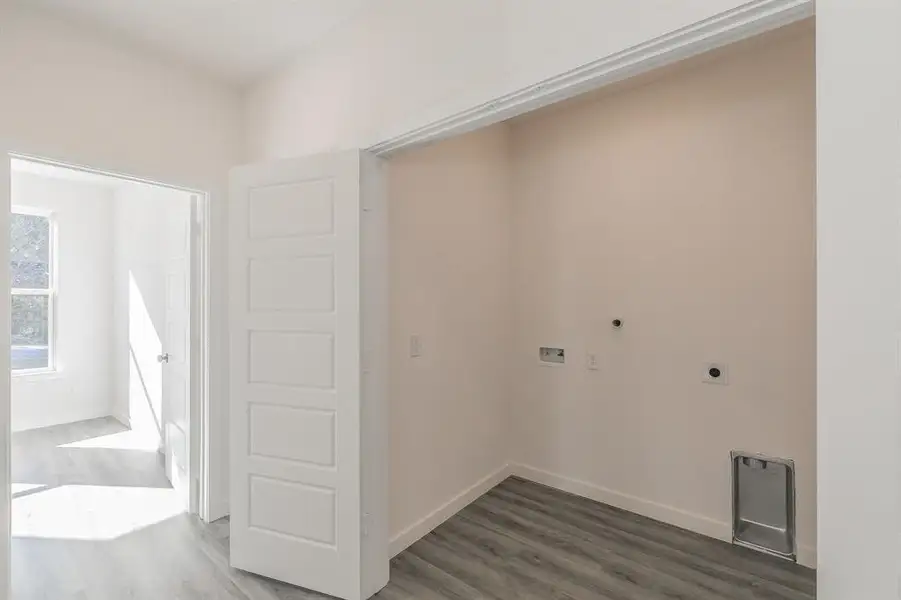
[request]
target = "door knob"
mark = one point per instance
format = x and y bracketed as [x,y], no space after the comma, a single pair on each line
[163,358]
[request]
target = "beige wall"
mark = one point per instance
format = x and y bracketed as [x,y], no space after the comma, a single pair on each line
[449,256]
[686,207]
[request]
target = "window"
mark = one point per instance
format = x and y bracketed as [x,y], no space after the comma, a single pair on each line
[31,256]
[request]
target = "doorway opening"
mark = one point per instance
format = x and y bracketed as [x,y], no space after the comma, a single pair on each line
[108,369]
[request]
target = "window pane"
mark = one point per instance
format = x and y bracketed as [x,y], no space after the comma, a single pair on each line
[29,251]
[30,332]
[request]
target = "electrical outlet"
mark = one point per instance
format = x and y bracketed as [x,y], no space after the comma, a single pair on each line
[716,373]
[591,362]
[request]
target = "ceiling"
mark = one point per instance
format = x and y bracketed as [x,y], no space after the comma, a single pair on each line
[236,40]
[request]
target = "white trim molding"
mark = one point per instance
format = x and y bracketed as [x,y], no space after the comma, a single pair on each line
[427,524]
[216,508]
[713,528]
[720,530]
[660,512]
[745,21]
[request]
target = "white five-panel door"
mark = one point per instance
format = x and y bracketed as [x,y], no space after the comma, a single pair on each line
[296,381]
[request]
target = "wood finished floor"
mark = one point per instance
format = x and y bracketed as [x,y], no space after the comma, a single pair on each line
[519,541]
[94,518]
[526,541]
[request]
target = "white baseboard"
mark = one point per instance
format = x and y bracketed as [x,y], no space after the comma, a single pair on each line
[807,556]
[218,510]
[661,512]
[424,526]
[686,520]
[123,418]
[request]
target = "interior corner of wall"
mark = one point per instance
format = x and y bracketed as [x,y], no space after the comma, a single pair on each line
[416,531]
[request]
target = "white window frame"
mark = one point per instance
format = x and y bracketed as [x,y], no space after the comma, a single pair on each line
[51,293]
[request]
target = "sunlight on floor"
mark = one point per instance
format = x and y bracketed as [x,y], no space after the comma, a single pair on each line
[147,440]
[89,512]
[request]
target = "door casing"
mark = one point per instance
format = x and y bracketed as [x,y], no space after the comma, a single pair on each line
[199,412]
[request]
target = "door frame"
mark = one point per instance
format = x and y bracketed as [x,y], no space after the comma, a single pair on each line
[199,410]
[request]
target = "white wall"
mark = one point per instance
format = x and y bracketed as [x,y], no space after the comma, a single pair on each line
[81,386]
[858,298]
[685,207]
[405,63]
[449,215]
[82,97]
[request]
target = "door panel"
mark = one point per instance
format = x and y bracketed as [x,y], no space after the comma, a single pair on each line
[283,507]
[302,208]
[274,431]
[177,344]
[295,389]
[273,284]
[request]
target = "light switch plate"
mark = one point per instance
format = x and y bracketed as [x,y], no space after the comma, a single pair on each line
[591,362]
[415,346]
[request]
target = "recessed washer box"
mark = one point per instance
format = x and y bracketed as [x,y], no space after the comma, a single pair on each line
[763,504]
[552,356]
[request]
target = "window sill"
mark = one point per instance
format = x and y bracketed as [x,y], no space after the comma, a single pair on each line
[29,374]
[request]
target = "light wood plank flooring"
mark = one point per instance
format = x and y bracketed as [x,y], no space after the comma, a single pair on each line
[93,520]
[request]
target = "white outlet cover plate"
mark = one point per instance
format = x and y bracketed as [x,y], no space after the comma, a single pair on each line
[415,345]
[723,379]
